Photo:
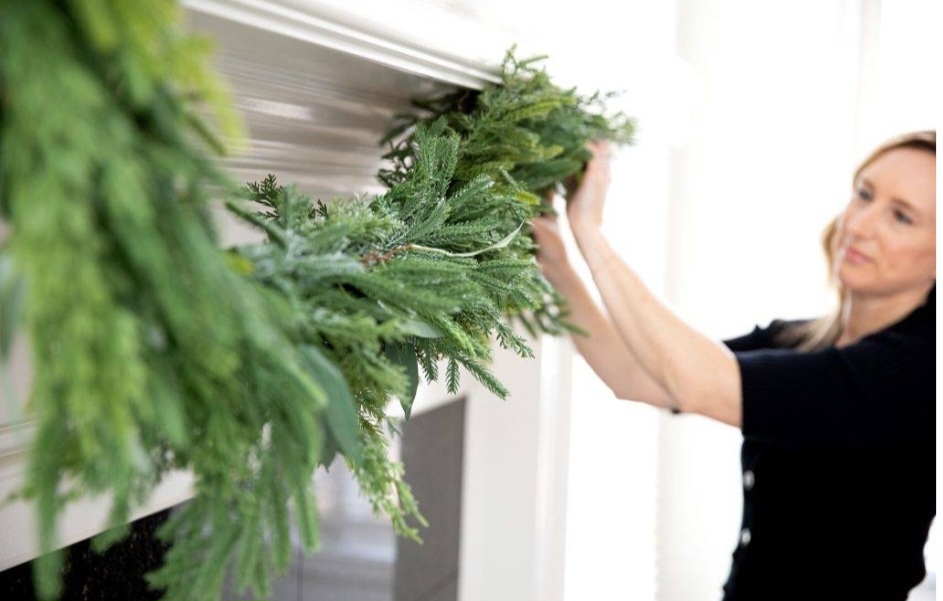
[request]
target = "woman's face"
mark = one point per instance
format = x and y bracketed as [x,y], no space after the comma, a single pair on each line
[887,234]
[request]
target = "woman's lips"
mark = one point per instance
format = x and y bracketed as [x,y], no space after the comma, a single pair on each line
[855,256]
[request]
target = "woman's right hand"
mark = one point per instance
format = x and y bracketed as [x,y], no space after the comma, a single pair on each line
[585,204]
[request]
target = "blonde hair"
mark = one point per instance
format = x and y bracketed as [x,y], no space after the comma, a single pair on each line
[825,331]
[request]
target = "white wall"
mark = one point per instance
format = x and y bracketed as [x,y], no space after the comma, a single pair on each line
[602,544]
[611,462]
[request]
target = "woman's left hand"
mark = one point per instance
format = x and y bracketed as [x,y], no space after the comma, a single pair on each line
[551,249]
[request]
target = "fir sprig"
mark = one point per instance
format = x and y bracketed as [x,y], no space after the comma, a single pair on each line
[526,133]
[526,136]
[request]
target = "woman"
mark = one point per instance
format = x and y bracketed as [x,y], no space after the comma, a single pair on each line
[837,415]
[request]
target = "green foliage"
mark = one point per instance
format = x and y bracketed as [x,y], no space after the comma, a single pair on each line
[527,136]
[155,350]
[416,275]
[150,353]
[432,269]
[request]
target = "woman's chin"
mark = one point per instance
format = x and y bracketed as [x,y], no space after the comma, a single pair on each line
[851,280]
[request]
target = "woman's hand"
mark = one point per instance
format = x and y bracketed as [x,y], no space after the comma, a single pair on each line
[551,250]
[585,205]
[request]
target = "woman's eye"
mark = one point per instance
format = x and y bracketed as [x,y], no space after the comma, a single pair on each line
[863,194]
[902,217]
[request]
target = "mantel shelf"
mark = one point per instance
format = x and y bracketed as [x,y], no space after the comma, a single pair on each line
[412,37]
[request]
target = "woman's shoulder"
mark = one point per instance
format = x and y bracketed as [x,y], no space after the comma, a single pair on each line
[918,326]
[772,335]
[916,331]
[920,323]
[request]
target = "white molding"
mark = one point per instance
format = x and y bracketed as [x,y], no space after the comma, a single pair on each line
[80,520]
[516,457]
[326,24]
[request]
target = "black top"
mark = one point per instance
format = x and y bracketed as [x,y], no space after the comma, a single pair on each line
[838,464]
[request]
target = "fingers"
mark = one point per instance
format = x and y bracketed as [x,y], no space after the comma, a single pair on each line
[551,251]
[601,149]
[598,165]
[545,222]
[546,230]
[597,173]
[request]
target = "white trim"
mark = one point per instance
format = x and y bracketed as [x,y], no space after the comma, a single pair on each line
[553,458]
[516,454]
[80,520]
[317,25]
[866,17]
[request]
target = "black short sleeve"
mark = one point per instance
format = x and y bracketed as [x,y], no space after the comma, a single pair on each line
[760,338]
[879,391]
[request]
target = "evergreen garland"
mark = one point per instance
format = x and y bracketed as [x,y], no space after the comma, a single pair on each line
[154,349]
[528,137]
[149,351]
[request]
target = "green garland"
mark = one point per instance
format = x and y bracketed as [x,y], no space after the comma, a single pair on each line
[149,351]
[527,136]
[154,349]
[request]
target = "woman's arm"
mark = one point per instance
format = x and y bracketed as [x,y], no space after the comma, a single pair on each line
[603,349]
[701,375]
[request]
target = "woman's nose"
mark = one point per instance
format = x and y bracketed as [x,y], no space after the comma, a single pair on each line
[861,221]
